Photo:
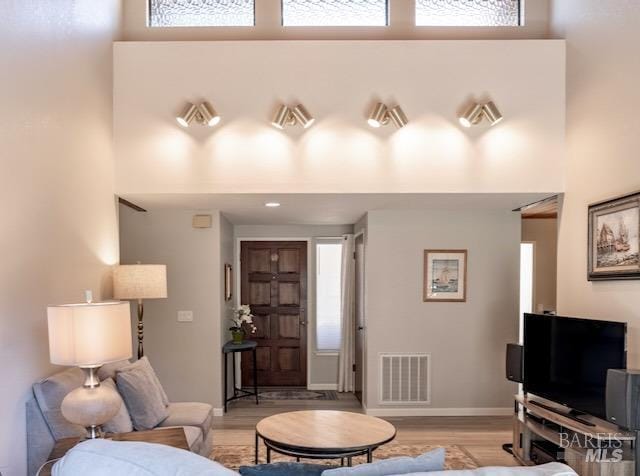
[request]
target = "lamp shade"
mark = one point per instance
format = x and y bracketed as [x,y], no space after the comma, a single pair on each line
[90,334]
[140,281]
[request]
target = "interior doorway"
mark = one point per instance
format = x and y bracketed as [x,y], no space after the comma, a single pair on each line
[538,264]
[274,284]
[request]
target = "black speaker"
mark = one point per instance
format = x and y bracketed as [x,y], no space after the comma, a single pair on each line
[623,398]
[515,363]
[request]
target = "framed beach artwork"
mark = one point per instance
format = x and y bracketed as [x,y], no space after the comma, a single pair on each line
[614,239]
[445,276]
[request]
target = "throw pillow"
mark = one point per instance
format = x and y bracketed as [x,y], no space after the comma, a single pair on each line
[145,365]
[109,370]
[284,469]
[49,394]
[431,461]
[121,423]
[142,398]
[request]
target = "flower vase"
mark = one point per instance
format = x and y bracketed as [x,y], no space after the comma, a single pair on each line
[238,337]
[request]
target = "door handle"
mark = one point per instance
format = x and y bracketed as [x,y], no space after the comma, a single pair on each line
[360,328]
[303,323]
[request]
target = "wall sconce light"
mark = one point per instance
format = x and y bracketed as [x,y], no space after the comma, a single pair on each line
[286,116]
[398,117]
[381,114]
[302,116]
[474,114]
[209,115]
[187,115]
[203,114]
[492,113]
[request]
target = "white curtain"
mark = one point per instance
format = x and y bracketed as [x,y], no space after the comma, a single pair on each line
[347,315]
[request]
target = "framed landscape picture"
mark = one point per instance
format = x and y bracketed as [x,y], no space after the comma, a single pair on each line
[614,239]
[445,276]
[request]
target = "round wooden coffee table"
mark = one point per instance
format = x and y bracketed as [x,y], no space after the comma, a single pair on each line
[323,434]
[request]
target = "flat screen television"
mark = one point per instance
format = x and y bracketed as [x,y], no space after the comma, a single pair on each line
[566,359]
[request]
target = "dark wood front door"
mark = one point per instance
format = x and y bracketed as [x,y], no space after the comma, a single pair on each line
[274,284]
[359,320]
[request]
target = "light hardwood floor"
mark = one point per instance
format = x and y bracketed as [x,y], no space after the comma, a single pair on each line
[481,437]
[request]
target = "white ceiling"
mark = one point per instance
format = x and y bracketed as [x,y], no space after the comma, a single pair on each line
[326,209]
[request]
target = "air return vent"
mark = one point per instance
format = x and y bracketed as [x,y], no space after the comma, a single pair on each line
[405,378]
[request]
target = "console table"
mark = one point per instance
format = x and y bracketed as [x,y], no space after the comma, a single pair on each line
[232,348]
[589,450]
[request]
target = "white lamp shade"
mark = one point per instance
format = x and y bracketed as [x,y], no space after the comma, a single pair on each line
[140,281]
[90,334]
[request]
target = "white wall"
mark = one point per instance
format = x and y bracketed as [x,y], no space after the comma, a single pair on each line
[59,233]
[602,148]
[337,81]
[269,26]
[466,340]
[322,372]
[186,355]
[544,233]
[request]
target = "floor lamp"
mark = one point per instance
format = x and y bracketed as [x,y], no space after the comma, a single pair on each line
[140,281]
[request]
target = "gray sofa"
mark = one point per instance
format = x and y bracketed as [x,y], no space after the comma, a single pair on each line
[46,425]
[108,458]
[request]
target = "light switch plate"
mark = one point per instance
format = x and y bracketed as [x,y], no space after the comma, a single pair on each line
[185,316]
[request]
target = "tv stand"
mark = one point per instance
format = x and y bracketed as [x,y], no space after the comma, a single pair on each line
[573,414]
[587,444]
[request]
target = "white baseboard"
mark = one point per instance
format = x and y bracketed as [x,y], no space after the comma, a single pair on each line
[401,412]
[218,412]
[322,386]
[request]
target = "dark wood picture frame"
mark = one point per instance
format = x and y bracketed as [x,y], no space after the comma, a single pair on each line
[426,281]
[613,238]
[228,282]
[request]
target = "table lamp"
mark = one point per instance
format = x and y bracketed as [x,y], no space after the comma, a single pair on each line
[90,335]
[140,281]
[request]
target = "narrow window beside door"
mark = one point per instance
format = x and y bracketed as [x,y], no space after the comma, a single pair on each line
[328,285]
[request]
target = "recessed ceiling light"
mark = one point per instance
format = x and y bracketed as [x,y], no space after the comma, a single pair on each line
[272,204]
